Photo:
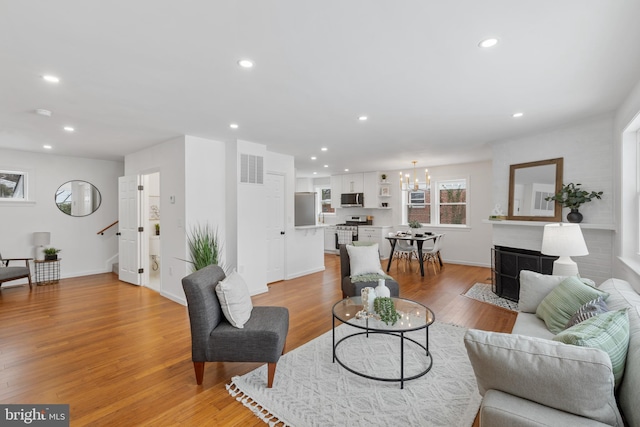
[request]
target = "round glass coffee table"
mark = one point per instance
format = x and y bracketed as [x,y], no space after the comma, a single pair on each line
[415,316]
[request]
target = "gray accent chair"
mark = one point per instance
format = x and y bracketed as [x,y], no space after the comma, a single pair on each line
[214,339]
[353,289]
[8,273]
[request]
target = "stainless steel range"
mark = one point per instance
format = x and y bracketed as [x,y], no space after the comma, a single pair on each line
[348,232]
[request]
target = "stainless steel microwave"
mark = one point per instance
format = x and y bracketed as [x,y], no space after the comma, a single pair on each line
[352,200]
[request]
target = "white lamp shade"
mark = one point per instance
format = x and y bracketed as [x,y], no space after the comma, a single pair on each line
[563,240]
[41,238]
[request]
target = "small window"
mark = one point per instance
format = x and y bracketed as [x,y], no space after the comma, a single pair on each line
[325,201]
[13,185]
[452,201]
[420,212]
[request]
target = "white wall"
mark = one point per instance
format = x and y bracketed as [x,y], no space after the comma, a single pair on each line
[167,158]
[83,251]
[587,149]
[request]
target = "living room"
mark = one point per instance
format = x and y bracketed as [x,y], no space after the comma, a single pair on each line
[198,168]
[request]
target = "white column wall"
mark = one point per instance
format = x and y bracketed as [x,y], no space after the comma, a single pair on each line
[168,158]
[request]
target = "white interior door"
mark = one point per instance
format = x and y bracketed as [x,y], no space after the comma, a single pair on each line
[275,227]
[129,217]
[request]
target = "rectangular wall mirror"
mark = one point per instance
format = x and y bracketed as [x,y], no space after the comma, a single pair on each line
[529,184]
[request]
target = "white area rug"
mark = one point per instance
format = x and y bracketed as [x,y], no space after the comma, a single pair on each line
[310,390]
[482,292]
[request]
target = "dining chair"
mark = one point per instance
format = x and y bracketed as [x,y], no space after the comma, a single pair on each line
[433,254]
[404,250]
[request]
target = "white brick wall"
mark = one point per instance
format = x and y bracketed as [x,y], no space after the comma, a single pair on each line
[587,149]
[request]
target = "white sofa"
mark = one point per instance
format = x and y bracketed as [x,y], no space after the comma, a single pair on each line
[527,379]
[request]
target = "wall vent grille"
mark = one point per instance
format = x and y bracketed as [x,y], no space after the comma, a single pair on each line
[251,169]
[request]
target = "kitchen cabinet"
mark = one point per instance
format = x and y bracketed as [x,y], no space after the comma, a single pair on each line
[376,235]
[336,190]
[371,190]
[330,239]
[353,183]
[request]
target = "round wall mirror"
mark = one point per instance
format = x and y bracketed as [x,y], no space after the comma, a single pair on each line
[78,198]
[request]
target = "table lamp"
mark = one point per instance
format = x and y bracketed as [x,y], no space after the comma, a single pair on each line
[564,240]
[40,240]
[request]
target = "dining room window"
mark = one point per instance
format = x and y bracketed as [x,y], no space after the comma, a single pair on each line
[452,202]
[420,212]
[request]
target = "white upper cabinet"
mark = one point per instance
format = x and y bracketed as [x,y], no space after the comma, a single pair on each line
[352,183]
[370,189]
[336,190]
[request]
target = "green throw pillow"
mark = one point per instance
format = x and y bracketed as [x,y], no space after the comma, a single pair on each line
[607,331]
[565,299]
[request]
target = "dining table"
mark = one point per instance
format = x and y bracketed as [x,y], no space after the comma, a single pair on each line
[419,243]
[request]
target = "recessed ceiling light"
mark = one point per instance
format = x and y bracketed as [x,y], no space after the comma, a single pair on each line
[313,157]
[51,79]
[47,147]
[43,112]
[324,149]
[326,166]
[346,170]
[363,118]
[69,129]
[516,115]
[315,173]
[488,42]
[233,126]
[245,63]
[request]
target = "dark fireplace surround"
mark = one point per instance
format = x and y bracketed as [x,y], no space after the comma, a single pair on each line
[506,266]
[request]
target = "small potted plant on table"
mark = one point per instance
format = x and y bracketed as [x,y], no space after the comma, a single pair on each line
[415,226]
[51,254]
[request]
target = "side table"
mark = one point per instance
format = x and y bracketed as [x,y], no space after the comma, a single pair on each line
[47,271]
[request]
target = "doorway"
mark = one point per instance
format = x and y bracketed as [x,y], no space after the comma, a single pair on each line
[152,236]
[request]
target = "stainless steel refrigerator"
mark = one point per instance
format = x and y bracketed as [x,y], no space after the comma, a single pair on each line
[305,209]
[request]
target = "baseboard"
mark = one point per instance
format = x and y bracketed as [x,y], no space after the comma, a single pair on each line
[304,273]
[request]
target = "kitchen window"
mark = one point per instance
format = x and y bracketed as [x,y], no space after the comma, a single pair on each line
[13,185]
[325,201]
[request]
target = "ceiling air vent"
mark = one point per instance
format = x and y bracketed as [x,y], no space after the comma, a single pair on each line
[251,169]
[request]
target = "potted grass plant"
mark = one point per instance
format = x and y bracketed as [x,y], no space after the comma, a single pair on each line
[204,246]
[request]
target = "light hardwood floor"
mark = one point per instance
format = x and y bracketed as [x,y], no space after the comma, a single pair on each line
[121,354]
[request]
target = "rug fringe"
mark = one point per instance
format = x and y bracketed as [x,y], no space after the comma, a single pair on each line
[259,411]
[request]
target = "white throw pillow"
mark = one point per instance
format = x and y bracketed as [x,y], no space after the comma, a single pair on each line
[574,379]
[235,300]
[364,260]
[534,287]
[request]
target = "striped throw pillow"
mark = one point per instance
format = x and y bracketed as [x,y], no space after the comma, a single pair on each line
[607,331]
[587,311]
[565,299]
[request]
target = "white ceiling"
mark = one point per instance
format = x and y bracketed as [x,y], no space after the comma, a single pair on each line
[136,73]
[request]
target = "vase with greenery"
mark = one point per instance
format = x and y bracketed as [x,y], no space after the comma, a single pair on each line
[204,246]
[385,308]
[414,225]
[572,196]
[51,254]
[157,228]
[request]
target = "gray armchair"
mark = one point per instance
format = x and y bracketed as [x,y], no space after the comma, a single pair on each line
[353,289]
[214,339]
[8,273]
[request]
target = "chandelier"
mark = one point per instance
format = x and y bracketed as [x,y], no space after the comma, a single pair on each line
[407,185]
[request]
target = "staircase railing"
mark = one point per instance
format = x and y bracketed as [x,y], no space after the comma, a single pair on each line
[101,232]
